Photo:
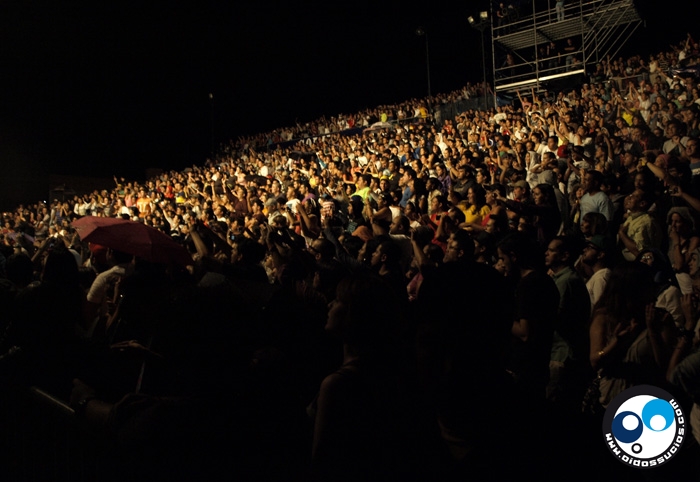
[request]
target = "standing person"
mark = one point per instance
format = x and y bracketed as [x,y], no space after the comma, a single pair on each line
[358,426]
[593,199]
[559,7]
[597,256]
[569,50]
[458,359]
[502,14]
[535,313]
[569,350]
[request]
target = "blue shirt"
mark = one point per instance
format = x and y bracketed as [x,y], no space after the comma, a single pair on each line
[596,203]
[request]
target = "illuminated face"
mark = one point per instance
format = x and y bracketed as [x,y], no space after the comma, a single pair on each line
[632,201]
[376,259]
[435,205]
[451,252]
[537,196]
[518,192]
[694,264]
[490,226]
[506,262]
[553,254]
[523,225]
[647,258]
[677,223]
[590,255]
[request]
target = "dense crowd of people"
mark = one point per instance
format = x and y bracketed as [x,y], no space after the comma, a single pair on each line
[379,295]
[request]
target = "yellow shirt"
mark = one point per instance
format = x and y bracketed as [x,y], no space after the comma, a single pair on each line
[362,193]
[475,216]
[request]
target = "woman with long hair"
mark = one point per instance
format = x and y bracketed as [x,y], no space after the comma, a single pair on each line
[478,208]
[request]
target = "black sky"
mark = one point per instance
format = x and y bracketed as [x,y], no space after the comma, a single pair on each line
[96,88]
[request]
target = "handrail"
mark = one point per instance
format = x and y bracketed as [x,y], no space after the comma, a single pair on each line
[52,401]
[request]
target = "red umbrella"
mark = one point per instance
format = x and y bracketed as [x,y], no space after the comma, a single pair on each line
[133,238]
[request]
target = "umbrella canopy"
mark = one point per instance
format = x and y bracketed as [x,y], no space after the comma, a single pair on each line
[133,238]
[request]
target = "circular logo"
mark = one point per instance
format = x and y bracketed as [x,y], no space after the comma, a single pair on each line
[644,426]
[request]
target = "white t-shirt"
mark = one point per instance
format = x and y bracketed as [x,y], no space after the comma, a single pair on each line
[596,284]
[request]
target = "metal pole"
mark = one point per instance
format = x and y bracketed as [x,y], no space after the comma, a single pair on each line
[211,123]
[493,61]
[483,63]
[422,32]
[427,62]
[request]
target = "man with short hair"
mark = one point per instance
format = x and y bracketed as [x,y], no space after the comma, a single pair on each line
[552,145]
[521,191]
[594,200]
[404,182]
[597,255]
[322,250]
[570,343]
[460,248]
[675,143]
[535,313]
[275,208]
[463,180]
[363,186]
[394,174]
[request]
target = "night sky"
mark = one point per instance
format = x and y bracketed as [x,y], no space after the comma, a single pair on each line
[102,88]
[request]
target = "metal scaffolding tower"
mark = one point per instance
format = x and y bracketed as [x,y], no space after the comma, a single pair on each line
[541,42]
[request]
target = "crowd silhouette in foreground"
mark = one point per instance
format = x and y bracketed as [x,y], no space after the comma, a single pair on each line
[380,296]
